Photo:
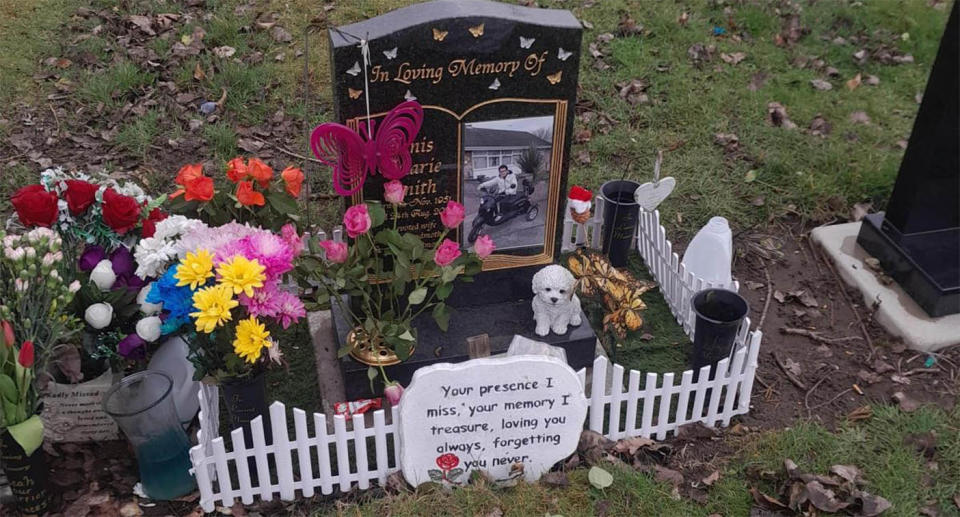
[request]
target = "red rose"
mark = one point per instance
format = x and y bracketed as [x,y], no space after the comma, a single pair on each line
[121,213]
[80,195]
[447,461]
[579,193]
[35,206]
[150,223]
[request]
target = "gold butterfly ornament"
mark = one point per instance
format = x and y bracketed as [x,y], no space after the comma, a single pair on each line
[354,94]
[438,34]
[555,78]
[476,31]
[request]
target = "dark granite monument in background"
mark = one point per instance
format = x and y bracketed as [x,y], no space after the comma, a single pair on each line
[478,69]
[917,240]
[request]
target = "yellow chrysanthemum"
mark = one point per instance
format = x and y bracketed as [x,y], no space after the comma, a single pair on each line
[213,306]
[195,269]
[242,275]
[251,339]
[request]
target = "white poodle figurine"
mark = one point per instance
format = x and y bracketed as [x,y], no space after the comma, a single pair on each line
[555,305]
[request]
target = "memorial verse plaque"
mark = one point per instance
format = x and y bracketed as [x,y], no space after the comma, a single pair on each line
[73,412]
[497,84]
[509,417]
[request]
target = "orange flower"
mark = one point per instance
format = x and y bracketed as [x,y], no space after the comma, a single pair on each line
[237,170]
[200,189]
[293,178]
[192,181]
[247,196]
[260,172]
[188,172]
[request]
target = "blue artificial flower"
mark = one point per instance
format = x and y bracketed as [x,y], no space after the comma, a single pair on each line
[177,301]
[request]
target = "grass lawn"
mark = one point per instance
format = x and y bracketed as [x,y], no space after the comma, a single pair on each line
[892,468]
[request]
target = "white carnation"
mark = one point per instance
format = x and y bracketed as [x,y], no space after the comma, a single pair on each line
[175,226]
[149,329]
[103,275]
[99,315]
[153,255]
[146,307]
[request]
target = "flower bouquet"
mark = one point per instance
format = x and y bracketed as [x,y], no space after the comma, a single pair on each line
[256,199]
[391,277]
[35,318]
[87,209]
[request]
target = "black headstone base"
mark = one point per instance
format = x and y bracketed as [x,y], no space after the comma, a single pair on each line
[500,321]
[926,265]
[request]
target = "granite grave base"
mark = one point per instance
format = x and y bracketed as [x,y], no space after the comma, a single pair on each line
[499,321]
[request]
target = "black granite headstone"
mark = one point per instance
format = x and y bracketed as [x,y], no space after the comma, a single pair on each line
[498,86]
[917,240]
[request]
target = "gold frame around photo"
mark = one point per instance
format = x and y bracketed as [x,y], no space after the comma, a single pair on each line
[504,260]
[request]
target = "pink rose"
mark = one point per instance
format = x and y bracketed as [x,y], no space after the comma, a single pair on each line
[484,246]
[447,252]
[357,220]
[289,234]
[393,192]
[336,251]
[452,215]
[393,392]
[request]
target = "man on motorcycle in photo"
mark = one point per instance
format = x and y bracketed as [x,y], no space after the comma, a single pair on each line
[503,187]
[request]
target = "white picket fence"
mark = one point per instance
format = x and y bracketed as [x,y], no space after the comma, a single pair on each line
[364,448]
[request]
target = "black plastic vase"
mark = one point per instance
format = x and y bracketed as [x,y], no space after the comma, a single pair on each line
[27,475]
[719,315]
[620,216]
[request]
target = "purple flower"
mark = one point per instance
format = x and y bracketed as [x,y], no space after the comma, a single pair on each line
[132,347]
[122,260]
[129,282]
[91,256]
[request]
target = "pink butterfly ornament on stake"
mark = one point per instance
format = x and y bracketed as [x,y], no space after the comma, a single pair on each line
[355,156]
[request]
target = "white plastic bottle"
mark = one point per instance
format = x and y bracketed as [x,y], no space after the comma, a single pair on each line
[710,254]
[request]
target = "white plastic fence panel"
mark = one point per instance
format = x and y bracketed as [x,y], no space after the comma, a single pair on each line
[711,396]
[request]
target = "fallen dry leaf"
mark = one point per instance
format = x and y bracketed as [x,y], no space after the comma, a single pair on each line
[628,26]
[583,157]
[819,126]
[699,53]
[711,479]
[871,505]
[729,141]
[854,83]
[634,91]
[823,498]
[860,117]
[848,472]
[757,81]
[683,19]
[582,136]
[777,116]
[198,72]
[555,479]
[872,80]
[281,35]
[224,51]
[144,23]
[907,404]
[733,58]
[666,475]
[820,84]
[861,413]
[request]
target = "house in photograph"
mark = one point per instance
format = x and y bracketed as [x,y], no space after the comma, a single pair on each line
[485,149]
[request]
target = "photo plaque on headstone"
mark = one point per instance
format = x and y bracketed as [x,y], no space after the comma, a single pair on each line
[497,83]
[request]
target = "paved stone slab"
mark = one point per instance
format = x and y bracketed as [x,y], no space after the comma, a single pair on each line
[898,313]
